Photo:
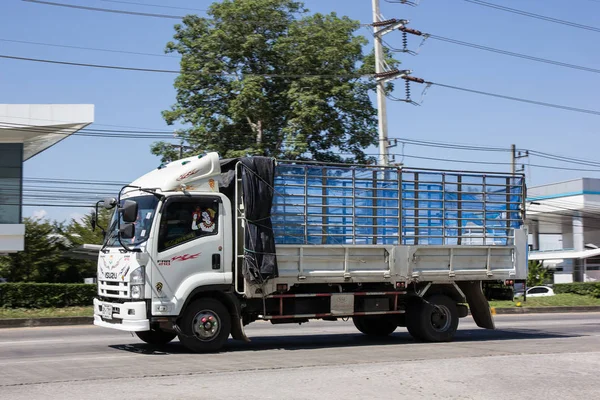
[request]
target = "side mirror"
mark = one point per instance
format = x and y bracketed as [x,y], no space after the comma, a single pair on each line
[127,231]
[129,211]
[109,203]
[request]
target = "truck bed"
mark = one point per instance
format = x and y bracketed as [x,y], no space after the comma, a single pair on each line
[337,223]
[441,264]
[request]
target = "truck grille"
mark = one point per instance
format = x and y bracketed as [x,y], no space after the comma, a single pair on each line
[113,289]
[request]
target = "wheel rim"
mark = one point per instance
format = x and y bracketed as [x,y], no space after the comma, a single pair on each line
[206,325]
[440,318]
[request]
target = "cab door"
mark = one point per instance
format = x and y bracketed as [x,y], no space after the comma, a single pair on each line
[189,250]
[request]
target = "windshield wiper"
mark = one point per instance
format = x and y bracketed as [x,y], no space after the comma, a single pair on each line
[111,230]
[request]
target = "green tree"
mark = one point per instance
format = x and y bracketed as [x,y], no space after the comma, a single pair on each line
[538,274]
[76,234]
[263,77]
[41,260]
[46,257]
[80,232]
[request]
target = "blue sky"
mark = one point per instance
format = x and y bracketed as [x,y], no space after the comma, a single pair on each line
[136,99]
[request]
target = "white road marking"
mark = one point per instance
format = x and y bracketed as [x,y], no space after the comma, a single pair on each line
[43,341]
[61,360]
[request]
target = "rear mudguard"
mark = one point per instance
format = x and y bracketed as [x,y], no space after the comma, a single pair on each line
[480,308]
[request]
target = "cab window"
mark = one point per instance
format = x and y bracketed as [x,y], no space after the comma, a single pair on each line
[186,220]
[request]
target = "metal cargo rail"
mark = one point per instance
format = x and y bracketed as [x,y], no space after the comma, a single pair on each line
[361,205]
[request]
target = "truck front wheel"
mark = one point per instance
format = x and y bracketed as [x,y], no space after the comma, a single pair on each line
[156,337]
[432,320]
[375,325]
[205,326]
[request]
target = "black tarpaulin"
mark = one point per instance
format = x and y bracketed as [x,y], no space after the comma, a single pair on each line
[260,262]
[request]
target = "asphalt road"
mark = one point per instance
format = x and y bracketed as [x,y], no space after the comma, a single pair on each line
[527,357]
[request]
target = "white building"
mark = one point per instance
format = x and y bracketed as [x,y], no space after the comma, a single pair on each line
[27,130]
[564,227]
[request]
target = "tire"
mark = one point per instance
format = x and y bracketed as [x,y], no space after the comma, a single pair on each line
[376,325]
[433,320]
[156,337]
[205,326]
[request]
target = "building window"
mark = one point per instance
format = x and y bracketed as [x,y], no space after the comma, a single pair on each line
[11,170]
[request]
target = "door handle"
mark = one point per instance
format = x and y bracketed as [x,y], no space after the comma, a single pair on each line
[216,261]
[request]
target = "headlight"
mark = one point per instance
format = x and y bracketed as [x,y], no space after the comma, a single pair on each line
[136,292]
[137,276]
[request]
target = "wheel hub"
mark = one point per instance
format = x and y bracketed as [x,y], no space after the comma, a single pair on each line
[440,318]
[206,325]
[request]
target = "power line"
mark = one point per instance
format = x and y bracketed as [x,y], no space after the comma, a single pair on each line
[262,22]
[52,205]
[588,210]
[168,71]
[566,205]
[72,181]
[489,162]
[564,159]
[446,145]
[39,128]
[545,217]
[88,48]
[534,102]
[67,122]
[153,5]
[106,10]
[513,54]
[293,76]
[90,65]
[107,133]
[547,220]
[533,15]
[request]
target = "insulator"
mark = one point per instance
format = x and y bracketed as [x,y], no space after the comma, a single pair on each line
[407,86]
[411,31]
[404,41]
[384,23]
[387,74]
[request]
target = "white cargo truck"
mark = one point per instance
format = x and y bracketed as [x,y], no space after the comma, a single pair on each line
[201,247]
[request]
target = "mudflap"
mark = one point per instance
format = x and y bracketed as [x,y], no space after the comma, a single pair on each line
[237,329]
[480,308]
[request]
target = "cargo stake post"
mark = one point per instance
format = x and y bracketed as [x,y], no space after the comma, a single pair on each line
[201,247]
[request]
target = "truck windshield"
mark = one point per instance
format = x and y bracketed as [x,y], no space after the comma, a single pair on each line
[146,211]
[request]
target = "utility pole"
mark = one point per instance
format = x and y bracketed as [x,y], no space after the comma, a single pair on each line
[383,76]
[515,157]
[182,148]
[381,105]
[513,170]
[513,164]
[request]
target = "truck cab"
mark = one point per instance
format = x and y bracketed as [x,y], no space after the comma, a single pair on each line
[178,241]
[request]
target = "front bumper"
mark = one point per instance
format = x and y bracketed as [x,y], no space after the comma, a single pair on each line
[130,316]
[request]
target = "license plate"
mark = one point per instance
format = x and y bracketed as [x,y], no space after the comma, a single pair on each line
[107,311]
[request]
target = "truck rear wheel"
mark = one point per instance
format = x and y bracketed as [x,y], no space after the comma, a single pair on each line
[156,337]
[432,320]
[205,326]
[375,325]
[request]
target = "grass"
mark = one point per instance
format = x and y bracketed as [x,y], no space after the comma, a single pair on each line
[566,299]
[6,313]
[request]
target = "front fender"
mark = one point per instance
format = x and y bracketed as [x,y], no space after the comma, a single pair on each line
[193,282]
